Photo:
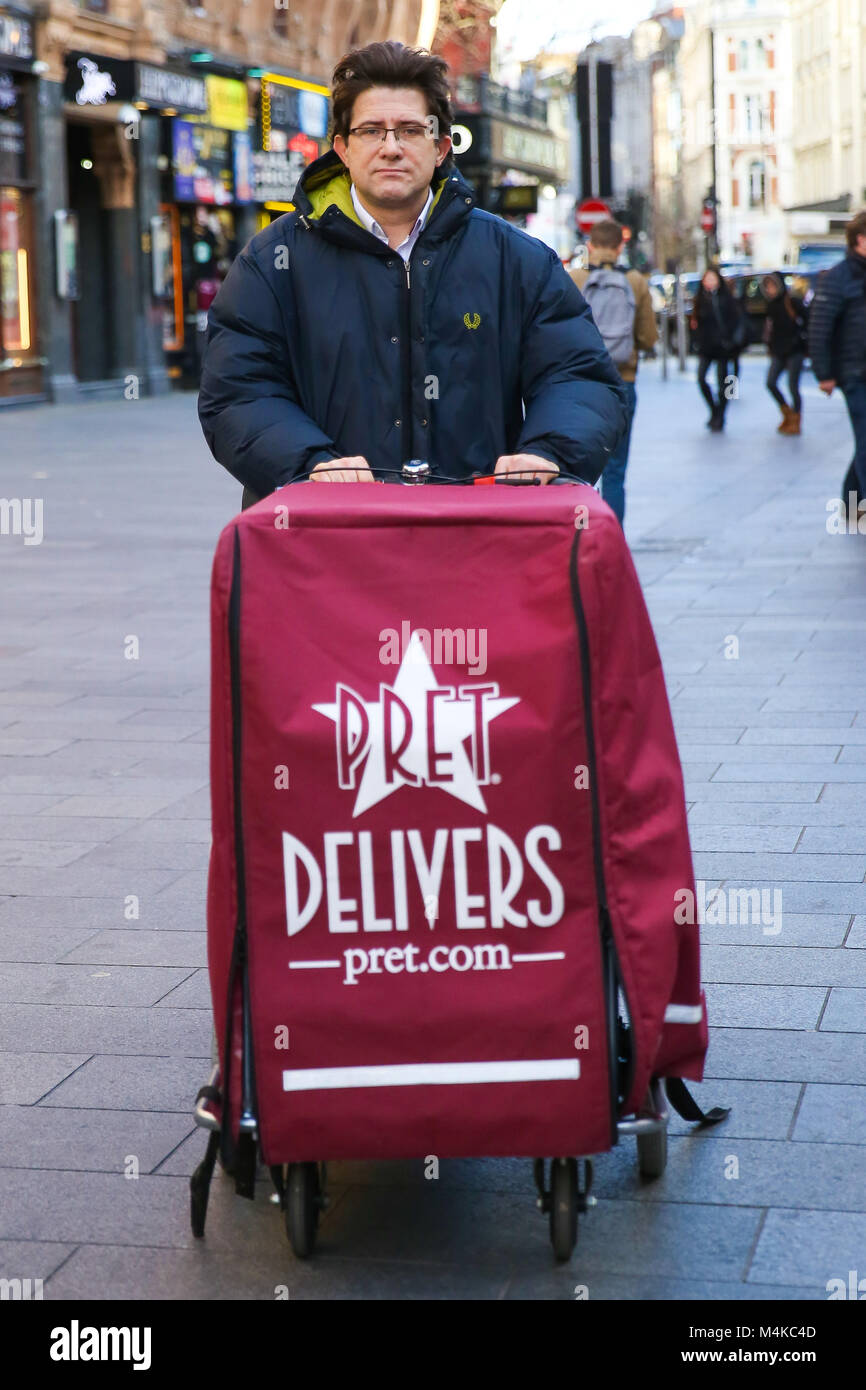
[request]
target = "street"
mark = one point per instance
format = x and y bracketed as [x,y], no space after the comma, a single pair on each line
[760,615]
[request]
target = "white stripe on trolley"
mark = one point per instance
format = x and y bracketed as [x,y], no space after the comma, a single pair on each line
[684,1013]
[315,964]
[540,955]
[431,1074]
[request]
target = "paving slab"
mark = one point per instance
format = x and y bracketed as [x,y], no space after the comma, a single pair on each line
[846,1011]
[115,1030]
[777,1054]
[809,1249]
[103,1140]
[765,1006]
[142,947]
[25,983]
[26,1077]
[32,1259]
[121,1083]
[832,1114]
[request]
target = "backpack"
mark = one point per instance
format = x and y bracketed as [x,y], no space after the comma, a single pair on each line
[611,299]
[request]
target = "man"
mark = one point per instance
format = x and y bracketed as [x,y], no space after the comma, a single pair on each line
[387,318]
[837,340]
[623,312]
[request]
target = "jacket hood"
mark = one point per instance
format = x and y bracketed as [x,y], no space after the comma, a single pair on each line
[325,185]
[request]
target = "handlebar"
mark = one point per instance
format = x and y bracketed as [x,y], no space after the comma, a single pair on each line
[417,472]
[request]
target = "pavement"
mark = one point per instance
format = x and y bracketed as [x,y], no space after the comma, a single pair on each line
[105,1026]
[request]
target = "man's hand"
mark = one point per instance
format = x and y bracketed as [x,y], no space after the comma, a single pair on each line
[528,465]
[354,469]
[828,387]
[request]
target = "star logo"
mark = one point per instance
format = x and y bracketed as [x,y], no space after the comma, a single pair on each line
[415,735]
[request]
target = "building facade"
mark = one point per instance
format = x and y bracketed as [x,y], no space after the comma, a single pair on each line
[829,138]
[736,95]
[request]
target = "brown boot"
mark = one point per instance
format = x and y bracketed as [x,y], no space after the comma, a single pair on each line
[787,417]
[794,424]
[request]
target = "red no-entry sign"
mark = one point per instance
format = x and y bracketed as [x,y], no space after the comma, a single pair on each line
[591,210]
[708,218]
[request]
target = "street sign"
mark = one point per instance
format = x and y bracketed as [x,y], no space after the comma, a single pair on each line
[708,218]
[590,211]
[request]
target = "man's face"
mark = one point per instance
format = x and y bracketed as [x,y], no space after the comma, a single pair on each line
[860,245]
[385,173]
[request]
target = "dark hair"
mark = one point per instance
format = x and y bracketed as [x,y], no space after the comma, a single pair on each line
[606,235]
[702,295]
[389,64]
[856,227]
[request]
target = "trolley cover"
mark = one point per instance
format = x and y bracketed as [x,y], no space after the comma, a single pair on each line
[442,761]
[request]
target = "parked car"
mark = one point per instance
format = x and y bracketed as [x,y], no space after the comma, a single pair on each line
[747,286]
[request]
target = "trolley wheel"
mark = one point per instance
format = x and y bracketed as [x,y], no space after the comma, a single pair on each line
[563,1206]
[302,1207]
[652,1153]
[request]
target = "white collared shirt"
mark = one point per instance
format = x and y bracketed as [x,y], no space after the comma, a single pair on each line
[406,248]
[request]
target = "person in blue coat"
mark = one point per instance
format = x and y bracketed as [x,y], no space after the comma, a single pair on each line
[388,318]
[837,342]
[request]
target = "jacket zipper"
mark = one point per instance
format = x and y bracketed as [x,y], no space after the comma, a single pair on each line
[613,974]
[406,366]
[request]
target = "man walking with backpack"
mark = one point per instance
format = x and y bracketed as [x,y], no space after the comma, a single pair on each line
[622,309]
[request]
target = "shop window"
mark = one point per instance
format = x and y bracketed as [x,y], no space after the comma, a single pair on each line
[16,333]
[756,184]
[13,130]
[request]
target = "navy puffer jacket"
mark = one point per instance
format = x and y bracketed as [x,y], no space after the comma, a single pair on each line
[321,344]
[837,322]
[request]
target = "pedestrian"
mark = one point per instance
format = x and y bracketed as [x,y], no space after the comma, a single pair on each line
[837,341]
[388,319]
[719,329]
[622,308]
[786,333]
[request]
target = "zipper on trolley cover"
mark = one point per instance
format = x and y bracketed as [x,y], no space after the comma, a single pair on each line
[613,980]
[240,954]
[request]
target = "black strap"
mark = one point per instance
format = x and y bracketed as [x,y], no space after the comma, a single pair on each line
[208,1093]
[687,1107]
[199,1183]
[244,1170]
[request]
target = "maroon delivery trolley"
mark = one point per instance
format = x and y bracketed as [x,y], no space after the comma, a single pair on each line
[450,900]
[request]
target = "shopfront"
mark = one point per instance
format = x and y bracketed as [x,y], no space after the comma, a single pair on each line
[291,132]
[206,193]
[21,366]
[504,148]
[114,108]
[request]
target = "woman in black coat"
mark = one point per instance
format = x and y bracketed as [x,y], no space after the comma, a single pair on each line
[786,333]
[717,324]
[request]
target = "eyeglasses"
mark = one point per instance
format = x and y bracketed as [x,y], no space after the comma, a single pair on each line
[409,134]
